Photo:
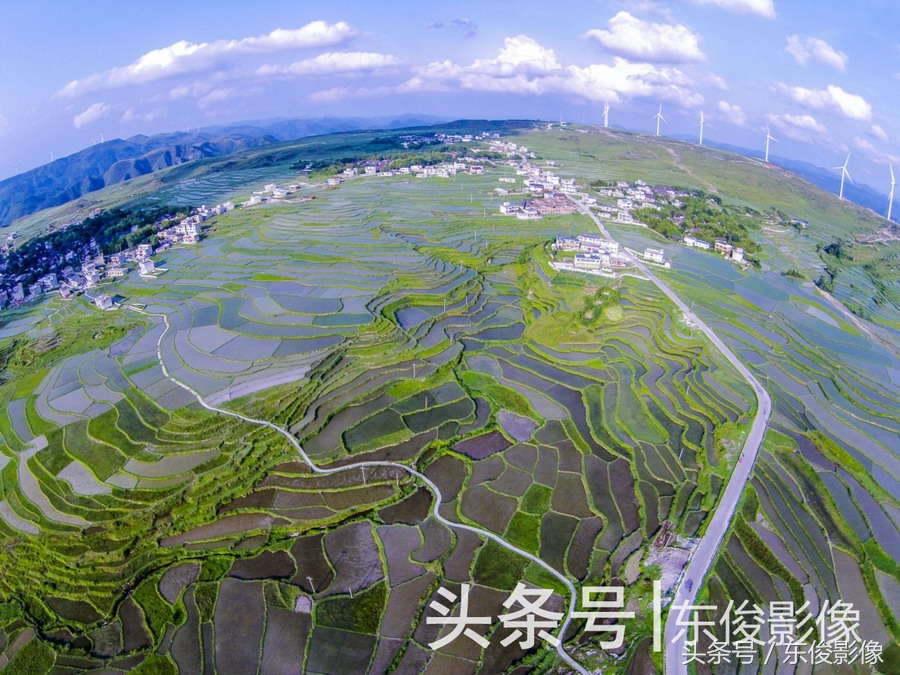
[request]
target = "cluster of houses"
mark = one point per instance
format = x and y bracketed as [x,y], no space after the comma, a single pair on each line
[95,267]
[443,170]
[592,252]
[269,193]
[721,246]
[532,209]
[629,197]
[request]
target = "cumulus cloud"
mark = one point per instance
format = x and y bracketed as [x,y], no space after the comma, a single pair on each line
[466,26]
[805,48]
[526,67]
[832,97]
[521,55]
[764,8]
[629,36]
[799,127]
[334,63]
[91,114]
[733,112]
[188,57]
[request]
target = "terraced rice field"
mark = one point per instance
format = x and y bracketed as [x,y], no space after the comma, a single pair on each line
[400,320]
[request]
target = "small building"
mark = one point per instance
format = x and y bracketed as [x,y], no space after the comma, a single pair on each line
[190,233]
[49,281]
[91,277]
[146,268]
[332,182]
[588,261]
[103,301]
[696,243]
[476,170]
[144,251]
[509,209]
[66,292]
[18,293]
[35,290]
[723,247]
[567,244]
[528,213]
[115,272]
[656,255]
[737,255]
[618,260]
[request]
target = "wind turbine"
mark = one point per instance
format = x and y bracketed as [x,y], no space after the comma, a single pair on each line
[606,114]
[891,196]
[845,173]
[658,118]
[701,127]
[769,137]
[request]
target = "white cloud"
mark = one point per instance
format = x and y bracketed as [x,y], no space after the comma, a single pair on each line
[734,113]
[641,40]
[188,57]
[344,93]
[627,80]
[764,8]
[805,48]
[91,114]
[799,127]
[879,133]
[525,67]
[874,153]
[521,55]
[849,105]
[466,26]
[334,63]
[216,95]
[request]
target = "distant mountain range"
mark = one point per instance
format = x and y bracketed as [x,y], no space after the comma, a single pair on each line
[118,160]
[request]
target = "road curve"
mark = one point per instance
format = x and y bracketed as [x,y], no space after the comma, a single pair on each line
[703,555]
[362,465]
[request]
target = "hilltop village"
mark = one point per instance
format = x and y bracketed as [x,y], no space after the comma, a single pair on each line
[536,191]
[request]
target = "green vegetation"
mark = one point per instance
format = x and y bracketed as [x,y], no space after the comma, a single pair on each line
[361,613]
[704,216]
[35,658]
[374,324]
[497,567]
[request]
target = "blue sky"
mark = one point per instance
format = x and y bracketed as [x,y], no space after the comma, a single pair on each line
[825,80]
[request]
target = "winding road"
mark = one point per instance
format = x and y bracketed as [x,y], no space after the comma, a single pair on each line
[363,465]
[701,559]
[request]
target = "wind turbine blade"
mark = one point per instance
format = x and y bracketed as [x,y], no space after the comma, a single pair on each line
[892,173]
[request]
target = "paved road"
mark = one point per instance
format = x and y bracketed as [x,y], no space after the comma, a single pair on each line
[361,466]
[706,550]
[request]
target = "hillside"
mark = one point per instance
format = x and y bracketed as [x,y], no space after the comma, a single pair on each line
[116,161]
[224,472]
